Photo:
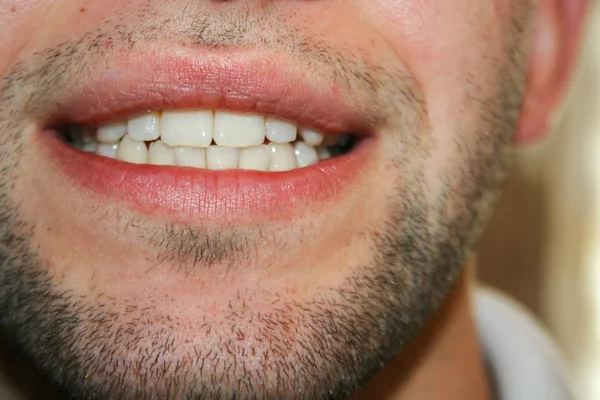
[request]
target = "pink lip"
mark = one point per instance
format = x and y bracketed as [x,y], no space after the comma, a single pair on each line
[187,79]
[199,79]
[199,195]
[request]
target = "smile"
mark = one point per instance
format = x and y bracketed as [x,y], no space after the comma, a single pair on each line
[218,144]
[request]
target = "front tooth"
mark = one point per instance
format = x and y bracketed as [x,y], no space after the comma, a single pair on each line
[305,155]
[132,151]
[187,128]
[112,133]
[282,157]
[161,154]
[238,130]
[190,157]
[218,157]
[255,158]
[107,150]
[145,128]
[279,131]
[311,137]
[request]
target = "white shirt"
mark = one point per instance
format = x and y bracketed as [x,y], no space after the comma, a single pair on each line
[523,362]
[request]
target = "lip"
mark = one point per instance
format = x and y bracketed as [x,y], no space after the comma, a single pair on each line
[243,81]
[200,195]
[190,79]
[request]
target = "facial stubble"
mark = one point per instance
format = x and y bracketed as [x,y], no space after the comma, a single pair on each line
[94,347]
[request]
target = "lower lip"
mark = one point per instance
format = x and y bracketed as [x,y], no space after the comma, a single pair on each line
[190,194]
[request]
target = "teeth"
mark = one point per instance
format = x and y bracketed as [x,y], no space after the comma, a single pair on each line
[323,153]
[145,127]
[90,147]
[283,157]
[305,155]
[279,131]
[161,154]
[312,137]
[80,136]
[255,158]
[132,151]
[218,158]
[187,128]
[216,140]
[112,133]
[238,130]
[190,157]
[107,150]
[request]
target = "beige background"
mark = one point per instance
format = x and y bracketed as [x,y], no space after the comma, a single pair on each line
[543,244]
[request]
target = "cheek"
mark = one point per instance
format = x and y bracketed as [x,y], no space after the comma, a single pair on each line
[38,24]
[20,19]
[407,24]
[437,36]
[453,49]
[446,46]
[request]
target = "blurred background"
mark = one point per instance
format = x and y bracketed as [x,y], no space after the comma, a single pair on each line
[543,244]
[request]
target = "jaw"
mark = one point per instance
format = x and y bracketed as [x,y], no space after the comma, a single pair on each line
[240,301]
[236,296]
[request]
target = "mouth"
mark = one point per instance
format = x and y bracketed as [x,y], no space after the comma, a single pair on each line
[210,140]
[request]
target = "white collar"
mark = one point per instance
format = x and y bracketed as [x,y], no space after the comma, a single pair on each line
[523,361]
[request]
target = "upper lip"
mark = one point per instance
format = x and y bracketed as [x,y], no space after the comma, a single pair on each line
[204,79]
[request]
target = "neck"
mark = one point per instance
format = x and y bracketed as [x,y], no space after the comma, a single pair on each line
[443,362]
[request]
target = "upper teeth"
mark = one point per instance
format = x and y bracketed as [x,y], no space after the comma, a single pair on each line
[212,139]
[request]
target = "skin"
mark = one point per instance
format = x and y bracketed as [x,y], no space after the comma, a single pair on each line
[366,300]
